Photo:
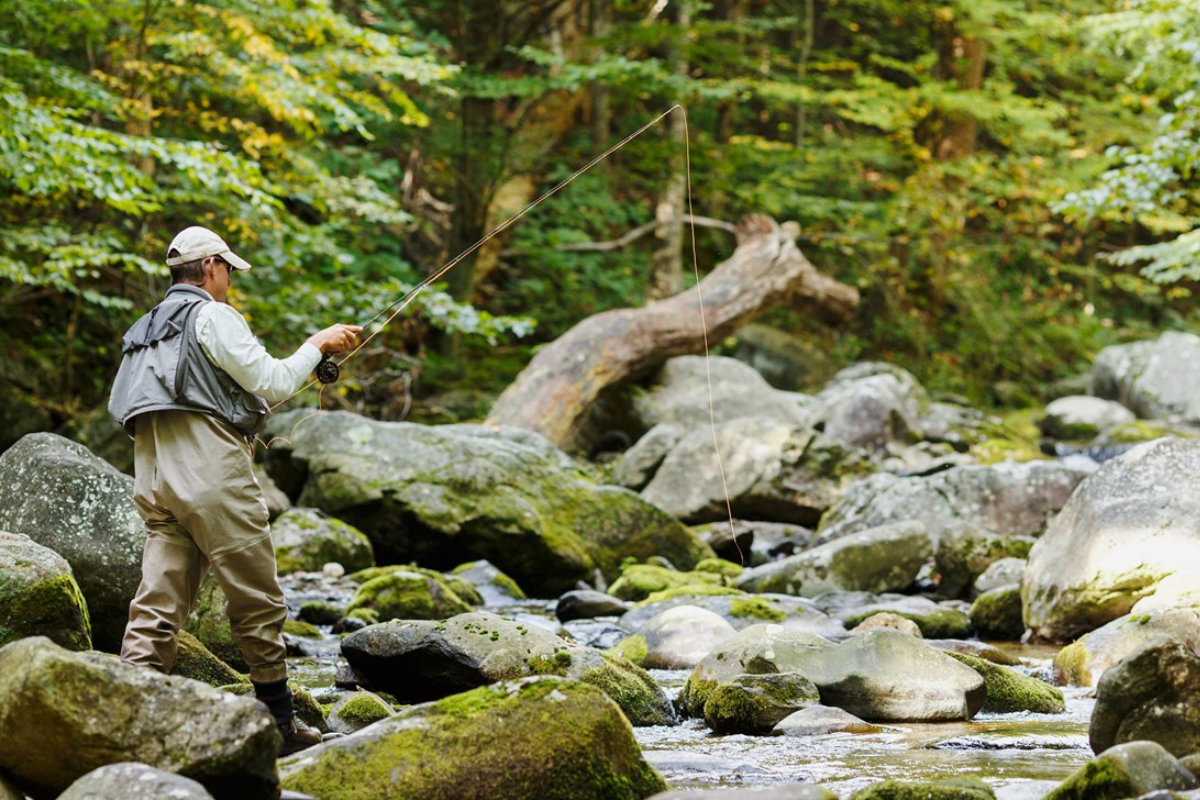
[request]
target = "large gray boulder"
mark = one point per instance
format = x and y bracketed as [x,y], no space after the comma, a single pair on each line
[131,781]
[417,660]
[64,498]
[1133,769]
[679,395]
[1011,498]
[772,470]
[755,704]
[441,495]
[1156,379]
[965,551]
[539,737]
[1081,417]
[680,636]
[1152,695]
[883,559]
[53,698]
[39,595]
[872,405]
[1132,524]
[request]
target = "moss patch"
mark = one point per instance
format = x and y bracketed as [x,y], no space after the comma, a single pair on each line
[756,608]
[950,789]
[363,709]
[304,630]
[632,649]
[944,623]
[53,608]
[196,662]
[1009,690]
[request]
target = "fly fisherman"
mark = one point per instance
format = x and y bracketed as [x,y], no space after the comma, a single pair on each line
[192,391]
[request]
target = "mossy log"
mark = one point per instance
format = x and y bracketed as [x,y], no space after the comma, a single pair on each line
[555,392]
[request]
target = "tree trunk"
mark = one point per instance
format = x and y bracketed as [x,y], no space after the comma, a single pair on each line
[666,264]
[961,58]
[554,393]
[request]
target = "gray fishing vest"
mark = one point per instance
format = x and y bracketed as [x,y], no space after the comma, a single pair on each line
[164,367]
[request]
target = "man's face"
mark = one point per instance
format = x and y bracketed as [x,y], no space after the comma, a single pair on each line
[218,279]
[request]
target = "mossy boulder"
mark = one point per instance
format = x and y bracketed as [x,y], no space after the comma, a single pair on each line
[639,581]
[965,551]
[965,788]
[357,711]
[541,737]
[1126,770]
[39,595]
[886,619]
[52,695]
[209,623]
[997,614]
[320,612]
[754,704]
[1085,660]
[64,498]
[416,661]
[936,620]
[407,594]
[1081,418]
[762,649]
[1151,695]
[1009,691]
[882,559]
[305,540]
[301,629]
[458,584]
[193,660]
[440,494]
[1133,523]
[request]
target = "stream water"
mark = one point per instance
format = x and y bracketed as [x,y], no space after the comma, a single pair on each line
[1021,756]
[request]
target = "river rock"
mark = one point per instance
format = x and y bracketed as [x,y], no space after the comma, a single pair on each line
[1131,524]
[1008,691]
[871,405]
[131,781]
[797,614]
[441,494]
[974,647]
[416,661]
[957,788]
[64,498]
[882,559]
[1004,572]
[887,675]
[965,551]
[679,637]
[194,660]
[936,620]
[305,540]
[1156,379]
[998,614]
[818,720]
[773,470]
[588,604]
[1126,770]
[639,581]
[762,649]
[209,623]
[886,619]
[408,593]
[1081,417]
[356,711]
[1082,662]
[542,737]
[755,704]
[1151,695]
[679,396]
[51,696]
[638,464]
[1015,498]
[494,587]
[39,595]
[787,791]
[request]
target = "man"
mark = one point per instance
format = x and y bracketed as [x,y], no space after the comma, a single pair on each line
[192,390]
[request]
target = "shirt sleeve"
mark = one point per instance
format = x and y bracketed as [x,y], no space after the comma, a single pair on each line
[228,341]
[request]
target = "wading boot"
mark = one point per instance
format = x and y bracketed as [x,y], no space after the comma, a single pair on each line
[295,734]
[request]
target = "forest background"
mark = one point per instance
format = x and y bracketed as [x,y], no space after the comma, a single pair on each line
[1010,184]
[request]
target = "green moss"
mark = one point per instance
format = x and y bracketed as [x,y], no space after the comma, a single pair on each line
[638,695]
[1009,691]
[305,630]
[1072,665]
[193,660]
[632,649]
[1099,779]
[719,566]
[533,749]
[408,594]
[994,451]
[756,608]
[53,608]
[639,581]
[754,704]
[320,612]
[944,623]
[362,709]
[997,614]
[966,788]
[688,590]
[695,693]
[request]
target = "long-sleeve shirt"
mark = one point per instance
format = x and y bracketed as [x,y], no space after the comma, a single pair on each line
[226,338]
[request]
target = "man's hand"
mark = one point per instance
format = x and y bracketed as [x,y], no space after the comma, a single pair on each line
[336,338]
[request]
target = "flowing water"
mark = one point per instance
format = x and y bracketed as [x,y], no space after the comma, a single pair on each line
[1021,756]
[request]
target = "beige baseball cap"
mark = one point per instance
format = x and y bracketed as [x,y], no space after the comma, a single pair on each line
[195,243]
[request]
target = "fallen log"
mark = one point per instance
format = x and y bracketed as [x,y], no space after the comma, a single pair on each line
[555,392]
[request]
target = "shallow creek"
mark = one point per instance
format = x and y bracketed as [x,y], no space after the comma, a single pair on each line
[1022,756]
